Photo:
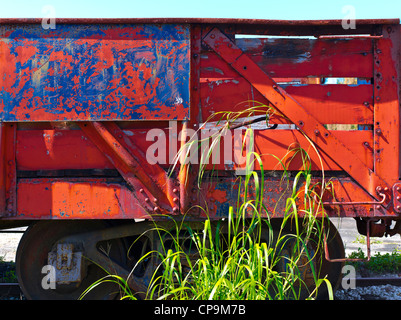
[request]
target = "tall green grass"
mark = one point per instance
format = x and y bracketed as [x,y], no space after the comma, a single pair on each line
[247,255]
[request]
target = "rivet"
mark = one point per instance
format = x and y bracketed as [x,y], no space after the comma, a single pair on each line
[175,199]
[141,190]
[317,132]
[377,207]
[156,209]
[175,190]
[147,200]
[175,209]
[155,200]
[398,207]
[212,36]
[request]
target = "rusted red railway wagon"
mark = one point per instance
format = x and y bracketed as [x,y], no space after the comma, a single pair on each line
[85,105]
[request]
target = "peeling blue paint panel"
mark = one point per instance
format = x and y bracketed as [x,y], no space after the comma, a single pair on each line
[94,72]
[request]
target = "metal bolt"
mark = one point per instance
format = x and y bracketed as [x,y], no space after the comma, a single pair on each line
[156,209]
[175,190]
[377,207]
[141,190]
[175,199]
[317,132]
[147,200]
[398,207]
[212,36]
[155,200]
[175,209]
[366,104]
[378,131]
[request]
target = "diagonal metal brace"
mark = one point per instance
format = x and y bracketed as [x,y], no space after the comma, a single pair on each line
[294,111]
[132,165]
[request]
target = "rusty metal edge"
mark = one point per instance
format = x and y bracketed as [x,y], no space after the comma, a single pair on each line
[329,22]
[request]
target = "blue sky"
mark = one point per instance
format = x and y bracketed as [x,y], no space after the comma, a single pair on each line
[258,9]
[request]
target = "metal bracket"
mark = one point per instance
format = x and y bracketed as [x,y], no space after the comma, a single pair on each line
[68,265]
[397,197]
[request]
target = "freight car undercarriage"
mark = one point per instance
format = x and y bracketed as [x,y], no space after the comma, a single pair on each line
[94,113]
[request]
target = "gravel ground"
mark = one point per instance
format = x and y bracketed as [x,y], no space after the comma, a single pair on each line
[386,292]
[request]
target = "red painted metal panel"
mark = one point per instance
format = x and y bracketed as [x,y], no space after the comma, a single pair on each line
[92,72]
[76,199]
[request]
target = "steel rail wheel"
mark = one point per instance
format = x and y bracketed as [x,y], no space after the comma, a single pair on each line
[305,258]
[32,257]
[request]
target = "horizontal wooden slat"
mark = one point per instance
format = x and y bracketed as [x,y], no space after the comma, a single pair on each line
[330,104]
[56,150]
[69,149]
[305,57]
[280,142]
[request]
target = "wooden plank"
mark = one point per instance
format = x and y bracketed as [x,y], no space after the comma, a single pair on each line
[69,149]
[58,149]
[280,57]
[330,104]
[284,144]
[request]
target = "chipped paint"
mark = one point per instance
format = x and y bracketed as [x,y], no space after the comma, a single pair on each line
[107,72]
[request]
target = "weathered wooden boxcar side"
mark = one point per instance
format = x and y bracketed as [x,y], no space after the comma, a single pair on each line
[93,113]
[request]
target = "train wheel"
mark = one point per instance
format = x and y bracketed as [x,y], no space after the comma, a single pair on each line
[311,263]
[32,257]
